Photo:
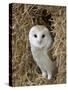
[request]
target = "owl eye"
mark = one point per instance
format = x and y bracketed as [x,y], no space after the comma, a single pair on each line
[43,36]
[35,35]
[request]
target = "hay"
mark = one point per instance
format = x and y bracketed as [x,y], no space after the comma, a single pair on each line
[24,69]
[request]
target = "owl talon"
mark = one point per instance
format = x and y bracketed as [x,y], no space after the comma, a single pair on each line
[44,74]
[49,76]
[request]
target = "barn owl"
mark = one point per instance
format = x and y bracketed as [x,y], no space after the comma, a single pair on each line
[40,41]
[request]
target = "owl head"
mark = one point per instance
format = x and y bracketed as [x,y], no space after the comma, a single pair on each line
[39,37]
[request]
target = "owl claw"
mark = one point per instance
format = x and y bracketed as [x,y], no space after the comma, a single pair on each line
[49,76]
[44,74]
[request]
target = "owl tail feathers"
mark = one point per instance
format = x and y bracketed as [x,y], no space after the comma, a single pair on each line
[55,64]
[55,67]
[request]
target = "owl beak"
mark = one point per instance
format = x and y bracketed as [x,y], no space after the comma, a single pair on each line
[40,41]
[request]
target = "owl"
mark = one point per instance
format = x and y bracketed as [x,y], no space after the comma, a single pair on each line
[40,41]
